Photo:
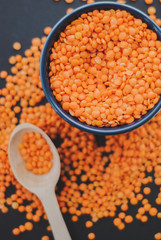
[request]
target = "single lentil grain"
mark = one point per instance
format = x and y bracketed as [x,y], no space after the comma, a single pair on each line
[45,238]
[148,2]
[89,224]
[17,46]
[16,231]
[47,30]
[28,226]
[151,10]
[91,236]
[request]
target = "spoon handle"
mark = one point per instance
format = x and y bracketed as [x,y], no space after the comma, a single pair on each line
[58,226]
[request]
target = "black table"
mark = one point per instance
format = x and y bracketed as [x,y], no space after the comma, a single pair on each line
[21,20]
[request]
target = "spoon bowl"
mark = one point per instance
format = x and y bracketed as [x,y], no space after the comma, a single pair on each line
[41,185]
[29,180]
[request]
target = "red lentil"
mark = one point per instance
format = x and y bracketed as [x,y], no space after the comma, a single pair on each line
[159,215]
[157,236]
[121,226]
[151,10]
[17,46]
[12,60]
[3,74]
[144,219]
[45,238]
[109,101]
[91,236]
[47,30]
[69,10]
[124,169]
[22,228]
[48,228]
[16,231]
[147,190]
[89,224]
[128,219]
[153,212]
[37,154]
[148,1]
[28,226]
[69,1]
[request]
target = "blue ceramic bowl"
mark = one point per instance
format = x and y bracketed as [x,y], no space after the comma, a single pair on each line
[44,68]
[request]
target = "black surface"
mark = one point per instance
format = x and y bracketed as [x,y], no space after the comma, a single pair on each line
[21,20]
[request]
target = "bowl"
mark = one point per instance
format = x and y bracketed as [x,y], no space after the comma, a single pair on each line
[44,68]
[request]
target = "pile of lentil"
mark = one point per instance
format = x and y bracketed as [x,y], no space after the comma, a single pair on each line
[36,153]
[101,181]
[105,68]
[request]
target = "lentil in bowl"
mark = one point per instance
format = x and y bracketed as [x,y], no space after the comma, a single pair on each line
[74,53]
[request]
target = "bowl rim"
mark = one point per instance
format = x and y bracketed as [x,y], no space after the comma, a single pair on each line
[43,65]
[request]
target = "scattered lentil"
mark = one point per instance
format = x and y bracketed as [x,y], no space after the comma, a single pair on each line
[16,231]
[153,212]
[124,167]
[28,226]
[47,30]
[144,219]
[22,228]
[151,10]
[3,74]
[159,215]
[45,238]
[69,10]
[69,1]
[48,228]
[147,190]
[91,236]
[17,46]
[89,224]
[128,219]
[157,236]
[148,2]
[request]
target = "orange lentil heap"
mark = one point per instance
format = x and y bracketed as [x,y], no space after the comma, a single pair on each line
[101,181]
[105,68]
[36,153]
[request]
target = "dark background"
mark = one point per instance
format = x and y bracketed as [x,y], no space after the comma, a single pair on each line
[21,20]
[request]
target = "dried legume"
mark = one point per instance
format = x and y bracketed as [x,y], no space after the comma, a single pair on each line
[36,153]
[104,70]
[95,184]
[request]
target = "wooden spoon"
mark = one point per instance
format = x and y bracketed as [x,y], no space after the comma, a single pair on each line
[41,185]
